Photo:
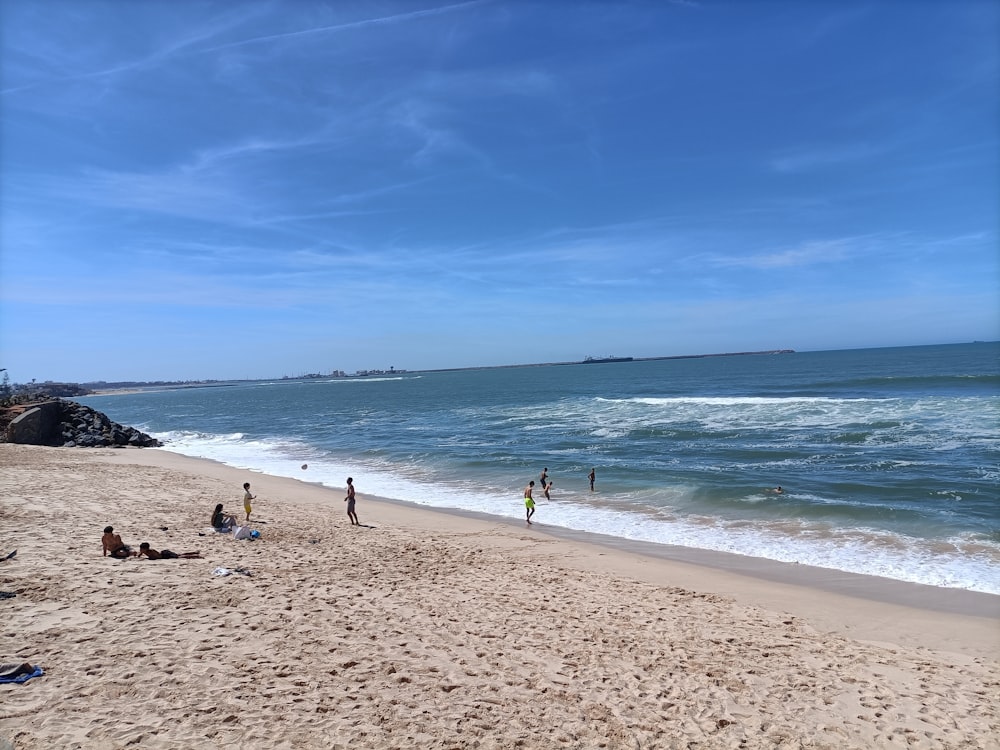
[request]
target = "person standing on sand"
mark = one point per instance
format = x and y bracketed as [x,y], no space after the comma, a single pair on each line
[247,497]
[592,476]
[350,503]
[529,501]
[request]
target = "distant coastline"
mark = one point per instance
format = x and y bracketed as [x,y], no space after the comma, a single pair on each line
[106,388]
[612,359]
[141,387]
[110,388]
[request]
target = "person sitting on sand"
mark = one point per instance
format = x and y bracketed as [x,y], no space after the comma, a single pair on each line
[222,521]
[152,554]
[113,544]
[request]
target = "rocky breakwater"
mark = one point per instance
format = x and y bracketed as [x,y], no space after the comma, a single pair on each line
[58,422]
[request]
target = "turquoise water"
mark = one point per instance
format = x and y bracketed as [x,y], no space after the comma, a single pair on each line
[890,458]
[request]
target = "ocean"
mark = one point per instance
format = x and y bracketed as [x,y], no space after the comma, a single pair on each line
[889,458]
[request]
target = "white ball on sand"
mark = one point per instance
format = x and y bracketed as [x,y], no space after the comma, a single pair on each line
[305,466]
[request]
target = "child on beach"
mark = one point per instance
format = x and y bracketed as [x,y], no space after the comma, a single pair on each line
[547,488]
[247,497]
[152,554]
[113,544]
[529,502]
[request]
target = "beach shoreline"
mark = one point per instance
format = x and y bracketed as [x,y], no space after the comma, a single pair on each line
[436,628]
[720,572]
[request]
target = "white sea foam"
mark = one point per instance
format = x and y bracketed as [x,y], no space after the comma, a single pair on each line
[880,420]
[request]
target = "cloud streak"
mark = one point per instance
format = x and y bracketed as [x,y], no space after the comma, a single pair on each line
[817,158]
[350,25]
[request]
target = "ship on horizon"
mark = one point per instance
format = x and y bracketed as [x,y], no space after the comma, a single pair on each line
[597,360]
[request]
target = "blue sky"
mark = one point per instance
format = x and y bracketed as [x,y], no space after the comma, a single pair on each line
[251,189]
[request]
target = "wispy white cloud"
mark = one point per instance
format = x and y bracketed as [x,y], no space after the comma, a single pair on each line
[207,159]
[55,64]
[834,23]
[513,79]
[349,25]
[811,253]
[808,159]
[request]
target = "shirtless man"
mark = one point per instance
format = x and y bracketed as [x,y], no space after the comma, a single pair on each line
[529,501]
[113,544]
[350,503]
[592,476]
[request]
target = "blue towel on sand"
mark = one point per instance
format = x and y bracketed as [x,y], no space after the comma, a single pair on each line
[23,677]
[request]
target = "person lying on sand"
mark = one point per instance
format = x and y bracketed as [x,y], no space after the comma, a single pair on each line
[15,669]
[152,554]
[222,521]
[113,544]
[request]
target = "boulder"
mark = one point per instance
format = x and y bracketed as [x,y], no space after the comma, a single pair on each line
[69,424]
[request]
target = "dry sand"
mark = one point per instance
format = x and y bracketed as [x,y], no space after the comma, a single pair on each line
[433,630]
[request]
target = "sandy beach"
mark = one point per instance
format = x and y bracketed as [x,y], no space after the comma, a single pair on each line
[423,629]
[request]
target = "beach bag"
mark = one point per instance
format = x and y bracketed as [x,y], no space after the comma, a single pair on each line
[242,532]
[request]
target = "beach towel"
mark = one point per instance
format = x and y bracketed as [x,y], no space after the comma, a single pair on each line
[38,672]
[227,571]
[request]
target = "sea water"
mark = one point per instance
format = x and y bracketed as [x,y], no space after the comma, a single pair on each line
[889,458]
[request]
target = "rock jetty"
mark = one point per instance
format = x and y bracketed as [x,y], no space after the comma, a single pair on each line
[58,422]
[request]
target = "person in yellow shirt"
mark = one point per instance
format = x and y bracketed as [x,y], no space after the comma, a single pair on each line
[247,497]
